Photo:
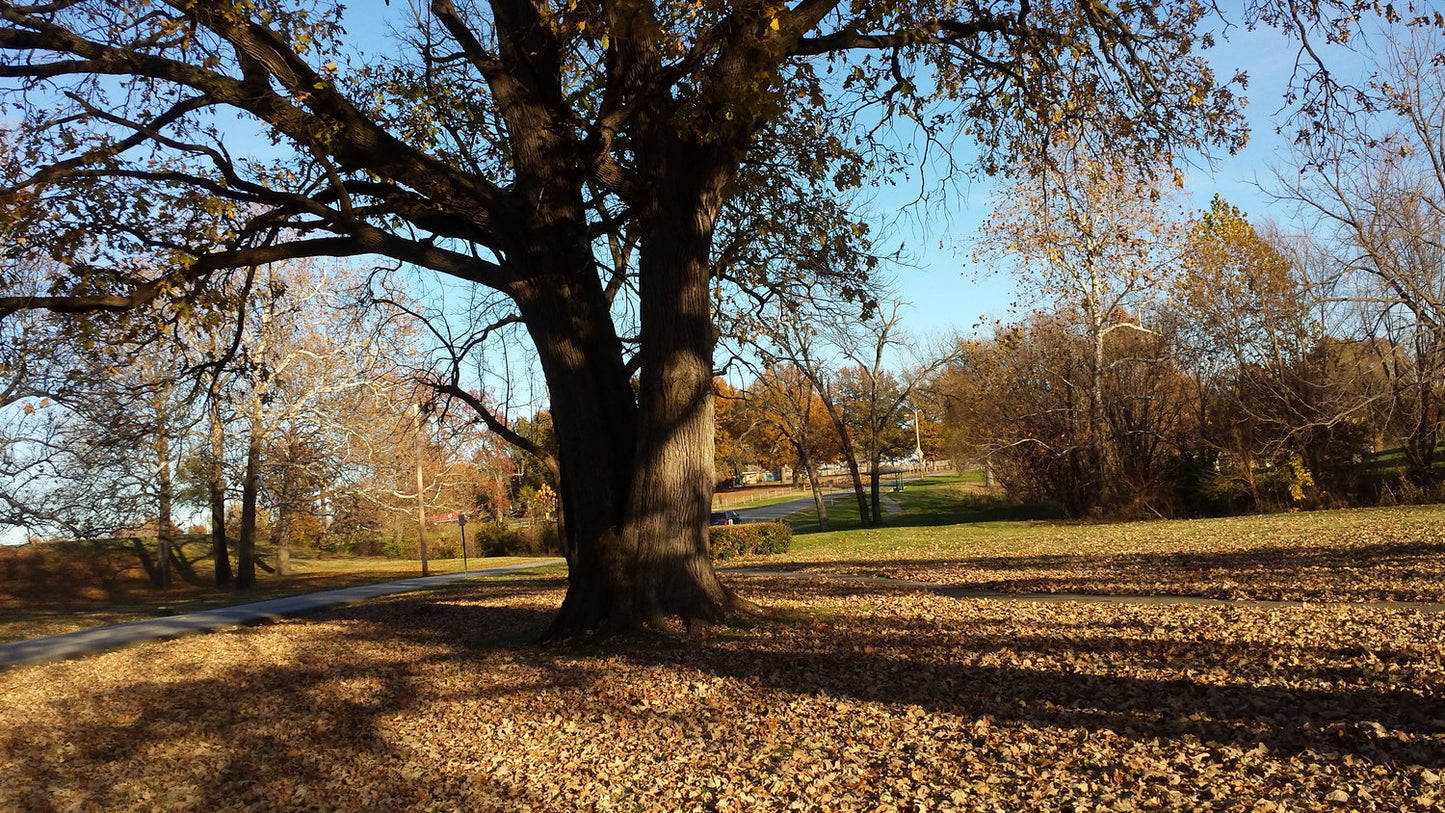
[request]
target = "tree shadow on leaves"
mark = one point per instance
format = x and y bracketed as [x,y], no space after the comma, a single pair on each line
[311,710]
[1289,696]
[362,699]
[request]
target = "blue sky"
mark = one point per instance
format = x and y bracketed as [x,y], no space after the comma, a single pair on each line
[948,292]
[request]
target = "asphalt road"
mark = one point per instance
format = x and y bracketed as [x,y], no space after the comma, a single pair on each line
[772,513]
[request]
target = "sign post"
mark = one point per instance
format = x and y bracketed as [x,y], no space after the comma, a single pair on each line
[462,523]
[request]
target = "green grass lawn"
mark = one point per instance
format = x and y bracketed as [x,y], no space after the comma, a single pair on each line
[946,500]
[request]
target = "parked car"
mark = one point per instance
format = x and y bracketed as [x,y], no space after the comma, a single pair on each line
[725,518]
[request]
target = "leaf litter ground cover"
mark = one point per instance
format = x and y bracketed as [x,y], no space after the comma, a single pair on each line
[866,698]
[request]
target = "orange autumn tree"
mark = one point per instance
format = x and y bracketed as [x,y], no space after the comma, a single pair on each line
[790,413]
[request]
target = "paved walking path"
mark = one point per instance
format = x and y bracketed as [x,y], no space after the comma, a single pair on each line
[777,511]
[84,642]
[961,591]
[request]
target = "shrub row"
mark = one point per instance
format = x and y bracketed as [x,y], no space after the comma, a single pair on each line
[483,539]
[728,541]
[503,539]
[50,572]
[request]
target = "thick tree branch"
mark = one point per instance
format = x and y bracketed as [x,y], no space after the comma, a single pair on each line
[367,240]
[348,135]
[501,429]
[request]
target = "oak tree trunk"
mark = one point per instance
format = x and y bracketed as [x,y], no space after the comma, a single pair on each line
[594,416]
[672,488]
[636,470]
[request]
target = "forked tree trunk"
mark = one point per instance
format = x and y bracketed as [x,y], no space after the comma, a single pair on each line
[636,471]
[637,474]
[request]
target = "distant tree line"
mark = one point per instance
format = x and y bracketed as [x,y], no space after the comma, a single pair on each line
[1184,364]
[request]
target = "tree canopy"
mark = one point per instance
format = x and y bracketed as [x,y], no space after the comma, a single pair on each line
[577,158]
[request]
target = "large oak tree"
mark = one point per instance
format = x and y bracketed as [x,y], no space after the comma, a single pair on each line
[502,143]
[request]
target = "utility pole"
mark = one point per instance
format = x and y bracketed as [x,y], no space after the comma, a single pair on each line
[917,439]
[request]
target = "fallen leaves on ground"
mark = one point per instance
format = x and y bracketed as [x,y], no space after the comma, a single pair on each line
[869,699]
[1391,554]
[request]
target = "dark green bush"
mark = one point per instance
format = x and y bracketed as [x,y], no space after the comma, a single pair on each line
[502,539]
[754,538]
[494,538]
[538,540]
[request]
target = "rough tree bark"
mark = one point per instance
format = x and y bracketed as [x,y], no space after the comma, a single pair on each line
[638,536]
[594,414]
[673,481]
